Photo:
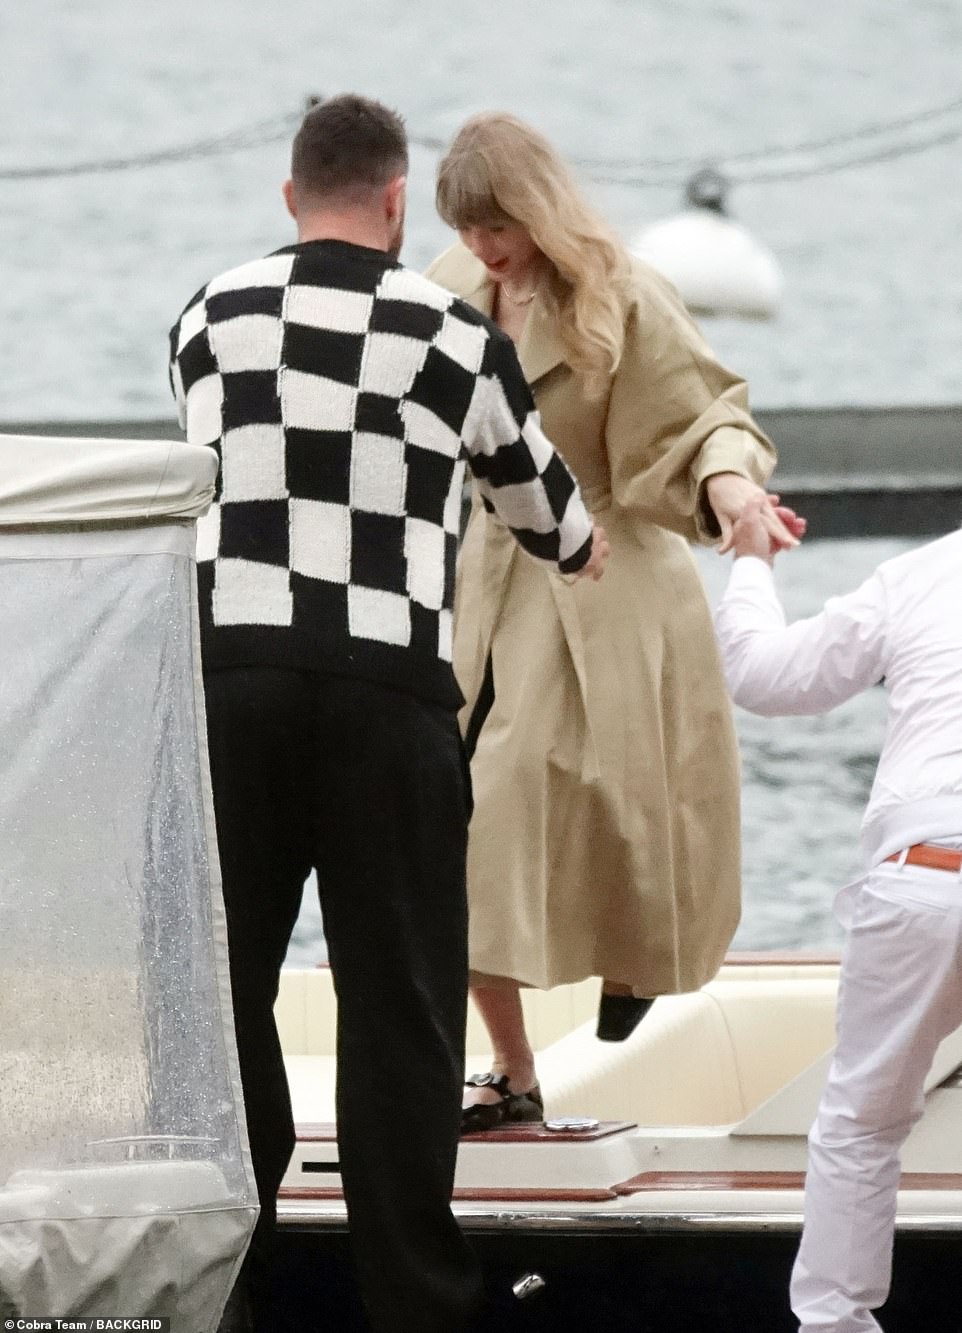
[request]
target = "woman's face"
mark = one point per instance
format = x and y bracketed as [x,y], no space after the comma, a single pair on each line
[504,248]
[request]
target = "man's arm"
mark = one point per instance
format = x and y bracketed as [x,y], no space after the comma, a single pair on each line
[176,379]
[808,667]
[190,360]
[521,476]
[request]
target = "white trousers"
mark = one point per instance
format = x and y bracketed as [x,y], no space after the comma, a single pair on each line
[900,994]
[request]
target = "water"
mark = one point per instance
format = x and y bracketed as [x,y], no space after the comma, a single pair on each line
[96,268]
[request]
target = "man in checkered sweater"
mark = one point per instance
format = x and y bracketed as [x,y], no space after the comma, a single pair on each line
[345,394]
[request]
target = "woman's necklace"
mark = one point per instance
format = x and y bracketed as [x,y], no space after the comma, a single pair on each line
[519,300]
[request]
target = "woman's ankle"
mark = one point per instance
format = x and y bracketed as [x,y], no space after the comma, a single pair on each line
[519,1069]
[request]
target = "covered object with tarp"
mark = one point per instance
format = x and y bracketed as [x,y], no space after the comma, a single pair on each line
[126,1187]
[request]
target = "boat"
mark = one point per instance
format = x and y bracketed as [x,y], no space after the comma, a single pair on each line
[126,1188]
[664,1191]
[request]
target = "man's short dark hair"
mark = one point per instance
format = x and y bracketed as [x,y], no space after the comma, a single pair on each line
[347,147]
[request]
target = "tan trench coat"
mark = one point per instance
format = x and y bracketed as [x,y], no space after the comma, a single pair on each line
[605,839]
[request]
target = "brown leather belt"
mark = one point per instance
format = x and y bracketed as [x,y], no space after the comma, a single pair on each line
[935,858]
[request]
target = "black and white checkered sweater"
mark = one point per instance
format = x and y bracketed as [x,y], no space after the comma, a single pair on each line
[344,394]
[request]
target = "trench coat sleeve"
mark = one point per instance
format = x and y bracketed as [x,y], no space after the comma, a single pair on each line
[676,417]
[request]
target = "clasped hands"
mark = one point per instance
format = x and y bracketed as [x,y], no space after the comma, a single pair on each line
[751,521]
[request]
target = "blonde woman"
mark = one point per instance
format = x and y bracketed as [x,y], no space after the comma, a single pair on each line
[605,837]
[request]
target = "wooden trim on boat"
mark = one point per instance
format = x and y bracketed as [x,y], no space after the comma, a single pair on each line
[488,1194]
[315,1192]
[670,1182]
[316,1133]
[536,1133]
[478,1194]
[674,1181]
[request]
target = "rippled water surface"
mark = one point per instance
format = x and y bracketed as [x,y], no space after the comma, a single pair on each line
[95,268]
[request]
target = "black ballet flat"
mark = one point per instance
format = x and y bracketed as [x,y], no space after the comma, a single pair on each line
[514,1108]
[619,1015]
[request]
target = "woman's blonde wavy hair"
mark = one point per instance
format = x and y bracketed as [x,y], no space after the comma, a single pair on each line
[498,169]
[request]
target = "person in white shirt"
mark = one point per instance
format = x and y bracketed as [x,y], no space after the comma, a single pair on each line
[900,987]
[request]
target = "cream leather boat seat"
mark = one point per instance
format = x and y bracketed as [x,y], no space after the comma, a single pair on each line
[702,1059]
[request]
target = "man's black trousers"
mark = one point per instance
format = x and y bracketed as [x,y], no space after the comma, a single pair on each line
[368,786]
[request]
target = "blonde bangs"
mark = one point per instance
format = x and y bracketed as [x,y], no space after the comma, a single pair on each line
[465,193]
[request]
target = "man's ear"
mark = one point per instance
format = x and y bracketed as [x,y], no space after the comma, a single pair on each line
[395,193]
[287,190]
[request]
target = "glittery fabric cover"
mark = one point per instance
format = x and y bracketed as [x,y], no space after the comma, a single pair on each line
[125,1180]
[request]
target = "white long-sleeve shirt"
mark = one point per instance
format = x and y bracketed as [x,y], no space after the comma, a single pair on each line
[903,627]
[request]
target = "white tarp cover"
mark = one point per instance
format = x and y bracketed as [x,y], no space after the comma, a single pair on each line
[45,479]
[126,1187]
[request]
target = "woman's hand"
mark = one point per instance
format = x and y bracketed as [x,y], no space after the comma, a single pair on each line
[729,494]
[749,534]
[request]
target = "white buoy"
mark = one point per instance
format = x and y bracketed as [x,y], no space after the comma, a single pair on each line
[718,267]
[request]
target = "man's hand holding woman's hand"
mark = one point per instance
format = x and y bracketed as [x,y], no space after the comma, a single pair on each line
[733,497]
[751,536]
[600,551]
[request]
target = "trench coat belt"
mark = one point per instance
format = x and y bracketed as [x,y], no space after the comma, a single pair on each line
[934,858]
